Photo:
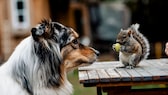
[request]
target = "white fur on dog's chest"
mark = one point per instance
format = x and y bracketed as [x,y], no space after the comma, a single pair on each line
[65,89]
[15,89]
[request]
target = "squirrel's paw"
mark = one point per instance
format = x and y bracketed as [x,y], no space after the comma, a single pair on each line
[116,47]
[129,67]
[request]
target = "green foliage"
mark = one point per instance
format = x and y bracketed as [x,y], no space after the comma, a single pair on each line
[79,89]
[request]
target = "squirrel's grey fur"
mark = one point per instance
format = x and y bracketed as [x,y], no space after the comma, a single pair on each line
[134,46]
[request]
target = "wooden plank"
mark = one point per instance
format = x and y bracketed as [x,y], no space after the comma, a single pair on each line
[93,76]
[157,69]
[164,60]
[124,75]
[160,64]
[115,77]
[146,76]
[156,62]
[156,73]
[83,77]
[147,70]
[101,65]
[126,90]
[134,75]
[104,77]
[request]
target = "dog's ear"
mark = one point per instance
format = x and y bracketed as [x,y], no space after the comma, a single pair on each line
[36,33]
[54,77]
[49,62]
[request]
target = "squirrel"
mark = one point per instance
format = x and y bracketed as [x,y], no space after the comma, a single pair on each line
[134,46]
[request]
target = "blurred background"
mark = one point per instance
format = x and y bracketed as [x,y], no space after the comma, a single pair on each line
[97,22]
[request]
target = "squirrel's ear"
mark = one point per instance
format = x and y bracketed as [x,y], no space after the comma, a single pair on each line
[129,32]
[121,29]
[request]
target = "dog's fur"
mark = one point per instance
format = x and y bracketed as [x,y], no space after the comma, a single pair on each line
[39,64]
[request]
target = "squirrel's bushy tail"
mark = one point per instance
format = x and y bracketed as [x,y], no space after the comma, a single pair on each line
[142,40]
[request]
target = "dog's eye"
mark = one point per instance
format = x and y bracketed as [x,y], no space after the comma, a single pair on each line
[75,43]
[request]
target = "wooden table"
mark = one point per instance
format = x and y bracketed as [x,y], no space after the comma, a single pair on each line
[120,81]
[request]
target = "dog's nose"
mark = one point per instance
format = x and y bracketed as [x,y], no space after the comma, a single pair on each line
[97,52]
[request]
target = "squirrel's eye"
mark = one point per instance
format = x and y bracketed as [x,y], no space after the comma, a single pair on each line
[124,36]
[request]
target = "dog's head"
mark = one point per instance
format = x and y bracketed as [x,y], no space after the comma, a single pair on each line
[75,55]
[53,31]
[57,45]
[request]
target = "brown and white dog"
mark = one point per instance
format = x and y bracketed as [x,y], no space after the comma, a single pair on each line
[39,64]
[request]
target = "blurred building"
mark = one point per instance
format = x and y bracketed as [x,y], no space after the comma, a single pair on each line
[16,19]
[18,16]
[96,21]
